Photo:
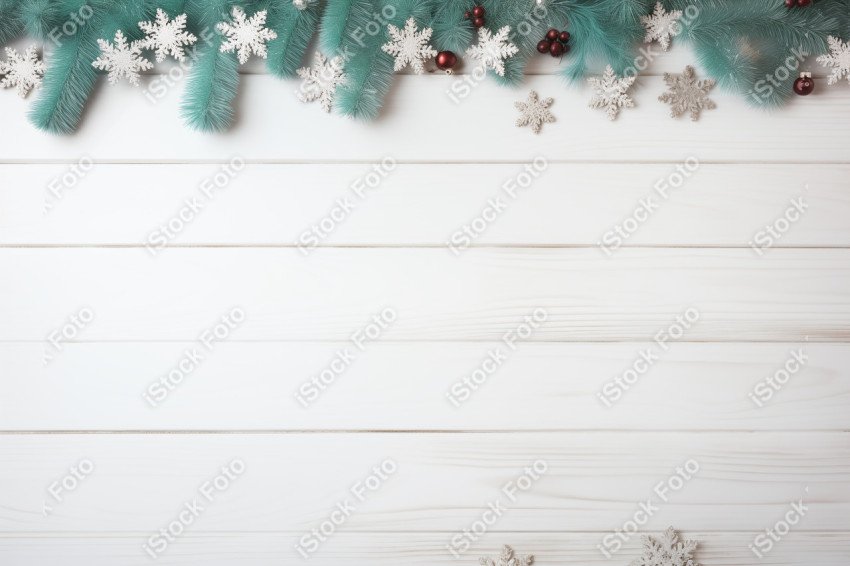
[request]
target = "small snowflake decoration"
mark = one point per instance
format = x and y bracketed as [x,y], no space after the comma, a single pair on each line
[508,558]
[534,112]
[246,36]
[687,94]
[492,50]
[667,551]
[167,37]
[122,60]
[22,73]
[661,26]
[611,92]
[320,81]
[838,59]
[409,46]
[302,4]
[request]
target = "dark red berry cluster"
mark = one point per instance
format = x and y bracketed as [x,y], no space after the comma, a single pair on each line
[555,44]
[477,15]
[797,3]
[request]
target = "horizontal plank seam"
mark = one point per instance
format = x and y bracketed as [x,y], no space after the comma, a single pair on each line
[676,161]
[290,432]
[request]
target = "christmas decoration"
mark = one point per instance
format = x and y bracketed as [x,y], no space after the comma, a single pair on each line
[492,50]
[661,26]
[555,43]
[167,37]
[804,85]
[22,73]
[246,36]
[321,80]
[122,60]
[666,551]
[534,112]
[611,92]
[797,3]
[446,61]
[687,94]
[409,46]
[508,558]
[838,58]
[477,15]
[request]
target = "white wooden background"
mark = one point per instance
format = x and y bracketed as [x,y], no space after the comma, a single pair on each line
[87,251]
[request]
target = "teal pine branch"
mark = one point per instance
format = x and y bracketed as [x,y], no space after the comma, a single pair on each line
[295,28]
[211,88]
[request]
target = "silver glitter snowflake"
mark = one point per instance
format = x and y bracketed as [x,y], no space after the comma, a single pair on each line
[534,112]
[246,36]
[662,25]
[838,59]
[667,551]
[687,94]
[492,50]
[611,92]
[508,558]
[167,37]
[22,73]
[320,81]
[122,60]
[409,46]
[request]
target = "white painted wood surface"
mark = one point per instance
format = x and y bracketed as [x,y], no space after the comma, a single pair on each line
[86,250]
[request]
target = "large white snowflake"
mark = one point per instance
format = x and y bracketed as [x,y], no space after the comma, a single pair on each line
[320,81]
[534,112]
[121,59]
[167,37]
[611,92]
[246,36]
[687,94]
[492,50]
[22,73]
[508,558]
[838,59]
[662,25]
[409,46]
[667,551]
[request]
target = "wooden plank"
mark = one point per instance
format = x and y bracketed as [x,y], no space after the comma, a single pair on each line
[427,294]
[441,482]
[416,549]
[425,386]
[568,204]
[122,124]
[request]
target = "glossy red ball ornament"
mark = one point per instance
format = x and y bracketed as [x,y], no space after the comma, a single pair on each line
[556,49]
[543,46]
[478,22]
[564,37]
[446,60]
[468,14]
[790,3]
[804,85]
[803,3]
[552,34]
[478,11]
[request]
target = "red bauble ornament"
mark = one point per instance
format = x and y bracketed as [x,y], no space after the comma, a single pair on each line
[478,11]
[790,3]
[446,60]
[804,85]
[543,46]
[478,22]
[468,14]
[552,34]
[564,37]
[803,3]
[556,49]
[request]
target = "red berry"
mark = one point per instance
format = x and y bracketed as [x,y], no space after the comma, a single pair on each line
[468,14]
[478,11]
[564,37]
[556,49]
[543,46]
[478,22]
[803,3]
[552,34]
[790,3]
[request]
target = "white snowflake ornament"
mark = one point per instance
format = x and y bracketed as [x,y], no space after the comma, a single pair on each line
[320,81]
[661,26]
[534,112]
[122,60]
[611,92]
[508,558]
[167,37]
[667,551]
[687,94]
[246,36]
[838,59]
[22,73]
[492,50]
[409,46]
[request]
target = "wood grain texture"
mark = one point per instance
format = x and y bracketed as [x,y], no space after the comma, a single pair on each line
[391,386]
[568,204]
[442,482]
